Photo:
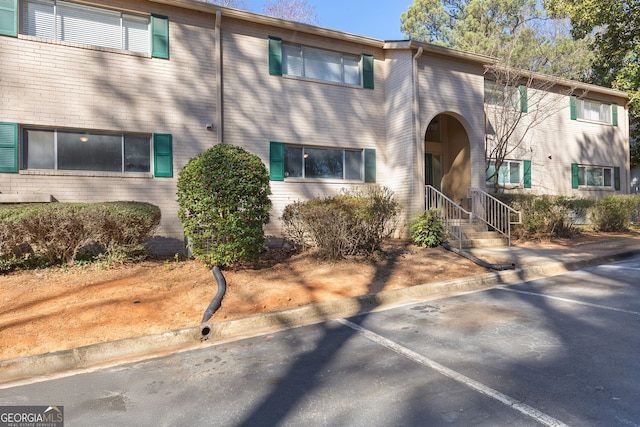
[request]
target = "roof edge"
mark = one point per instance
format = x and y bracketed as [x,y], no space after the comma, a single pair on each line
[269,20]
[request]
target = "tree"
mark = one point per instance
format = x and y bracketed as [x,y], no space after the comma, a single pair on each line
[291,10]
[516,102]
[236,4]
[615,26]
[518,33]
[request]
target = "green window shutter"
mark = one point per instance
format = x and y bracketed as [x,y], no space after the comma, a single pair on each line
[9,17]
[275,56]
[616,178]
[527,173]
[367,71]
[8,147]
[276,161]
[614,114]
[574,175]
[369,165]
[524,99]
[163,155]
[159,36]
[573,107]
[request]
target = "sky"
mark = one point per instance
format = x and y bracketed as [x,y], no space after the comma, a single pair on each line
[379,19]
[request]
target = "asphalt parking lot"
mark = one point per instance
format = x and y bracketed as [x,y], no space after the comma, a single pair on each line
[556,351]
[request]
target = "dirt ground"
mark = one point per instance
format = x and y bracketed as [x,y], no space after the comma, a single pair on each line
[60,308]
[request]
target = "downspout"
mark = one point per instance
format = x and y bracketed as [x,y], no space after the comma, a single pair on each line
[416,118]
[218,78]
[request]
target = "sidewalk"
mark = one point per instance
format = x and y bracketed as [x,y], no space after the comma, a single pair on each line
[530,263]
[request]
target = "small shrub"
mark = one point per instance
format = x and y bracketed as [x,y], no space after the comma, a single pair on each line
[223,195]
[614,213]
[350,223]
[545,216]
[427,229]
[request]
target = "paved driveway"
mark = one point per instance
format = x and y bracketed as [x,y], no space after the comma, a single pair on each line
[558,351]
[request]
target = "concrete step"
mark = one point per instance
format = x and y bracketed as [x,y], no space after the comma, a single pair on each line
[480,243]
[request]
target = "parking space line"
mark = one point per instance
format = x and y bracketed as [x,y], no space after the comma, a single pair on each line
[571,301]
[456,376]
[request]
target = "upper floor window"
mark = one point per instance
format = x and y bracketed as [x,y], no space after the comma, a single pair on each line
[594,111]
[90,25]
[312,63]
[320,64]
[498,94]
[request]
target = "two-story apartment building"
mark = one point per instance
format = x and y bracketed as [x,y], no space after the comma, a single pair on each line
[104,101]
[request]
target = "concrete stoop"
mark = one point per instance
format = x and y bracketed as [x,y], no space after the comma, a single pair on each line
[476,236]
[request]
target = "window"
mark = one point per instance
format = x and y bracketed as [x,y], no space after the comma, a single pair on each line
[320,64]
[506,96]
[511,173]
[79,23]
[85,151]
[594,111]
[304,61]
[298,161]
[595,176]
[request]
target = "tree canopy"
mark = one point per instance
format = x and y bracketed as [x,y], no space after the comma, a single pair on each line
[520,33]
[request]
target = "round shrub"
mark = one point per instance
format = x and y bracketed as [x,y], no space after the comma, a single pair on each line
[223,195]
[427,229]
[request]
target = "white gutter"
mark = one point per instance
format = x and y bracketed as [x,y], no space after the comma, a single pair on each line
[416,115]
[218,56]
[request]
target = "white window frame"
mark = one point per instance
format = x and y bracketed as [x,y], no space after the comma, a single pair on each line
[85,134]
[306,150]
[593,111]
[307,55]
[45,18]
[505,171]
[584,178]
[498,94]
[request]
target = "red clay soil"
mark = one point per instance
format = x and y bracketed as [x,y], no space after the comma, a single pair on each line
[60,308]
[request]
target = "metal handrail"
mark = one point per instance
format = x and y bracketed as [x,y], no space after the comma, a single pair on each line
[495,213]
[451,213]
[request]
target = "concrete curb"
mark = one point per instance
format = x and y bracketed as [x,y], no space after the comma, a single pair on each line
[66,362]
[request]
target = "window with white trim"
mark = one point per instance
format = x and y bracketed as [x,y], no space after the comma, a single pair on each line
[320,64]
[309,162]
[510,173]
[79,23]
[73,150]
[502,95]
[594,111]
[595,176]
[316,162]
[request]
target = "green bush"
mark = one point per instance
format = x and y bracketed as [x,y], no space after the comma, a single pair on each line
[56,233]
[352,222]
[223,195]
[547,216]
[614,213]
[427,229]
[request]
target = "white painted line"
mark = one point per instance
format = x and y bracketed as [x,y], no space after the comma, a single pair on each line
[456,376]
[571,301]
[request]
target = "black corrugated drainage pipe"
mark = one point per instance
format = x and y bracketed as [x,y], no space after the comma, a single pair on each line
[205,331]
[500,267]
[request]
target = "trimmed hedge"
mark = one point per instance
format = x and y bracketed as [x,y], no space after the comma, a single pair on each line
[65,232]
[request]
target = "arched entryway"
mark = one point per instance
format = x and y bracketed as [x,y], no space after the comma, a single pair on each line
[448,157]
